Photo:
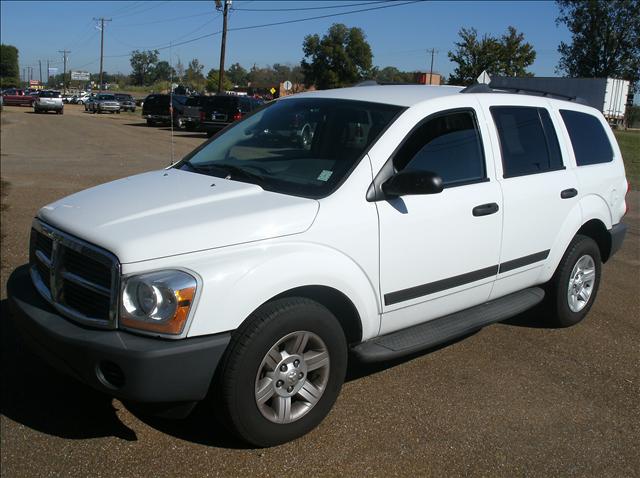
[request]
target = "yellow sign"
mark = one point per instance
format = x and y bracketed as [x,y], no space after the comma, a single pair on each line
[273,90]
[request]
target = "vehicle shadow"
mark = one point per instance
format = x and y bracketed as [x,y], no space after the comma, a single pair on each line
[38,397]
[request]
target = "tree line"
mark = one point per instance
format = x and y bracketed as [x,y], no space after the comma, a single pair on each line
[605,42]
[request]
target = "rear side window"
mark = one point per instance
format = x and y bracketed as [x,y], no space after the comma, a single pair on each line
[588,138]
[528,140]
[448,145]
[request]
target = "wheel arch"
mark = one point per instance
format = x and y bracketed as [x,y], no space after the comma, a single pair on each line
[338,304]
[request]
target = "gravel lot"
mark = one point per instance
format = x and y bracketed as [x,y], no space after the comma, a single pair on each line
[515,399]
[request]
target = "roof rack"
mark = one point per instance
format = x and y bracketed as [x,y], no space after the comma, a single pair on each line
[486,88]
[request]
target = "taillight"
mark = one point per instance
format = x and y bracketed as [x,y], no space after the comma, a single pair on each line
[237,116]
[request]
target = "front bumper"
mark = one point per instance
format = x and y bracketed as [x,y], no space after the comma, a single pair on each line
[108,108]
[121,364]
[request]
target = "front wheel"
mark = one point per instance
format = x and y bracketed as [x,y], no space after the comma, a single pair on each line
[282,372]
[574,286]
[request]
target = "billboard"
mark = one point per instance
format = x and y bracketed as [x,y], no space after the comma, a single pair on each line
[80,75]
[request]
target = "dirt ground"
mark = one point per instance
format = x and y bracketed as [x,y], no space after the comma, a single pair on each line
[515,399]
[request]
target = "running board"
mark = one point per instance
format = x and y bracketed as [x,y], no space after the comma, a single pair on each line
[438,331]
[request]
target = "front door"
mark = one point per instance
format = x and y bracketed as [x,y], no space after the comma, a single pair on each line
[439,253]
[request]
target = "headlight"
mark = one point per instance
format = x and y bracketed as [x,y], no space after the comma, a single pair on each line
[158,301]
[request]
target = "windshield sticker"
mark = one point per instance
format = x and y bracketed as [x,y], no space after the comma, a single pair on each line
[324,175]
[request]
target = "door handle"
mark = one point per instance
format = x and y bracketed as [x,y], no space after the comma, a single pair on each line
[568,193]
[485,209]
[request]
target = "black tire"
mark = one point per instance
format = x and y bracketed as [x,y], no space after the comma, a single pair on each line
[557,302]
[234,385]
[151,122]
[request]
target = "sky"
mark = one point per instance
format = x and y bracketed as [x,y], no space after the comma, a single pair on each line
[400,33]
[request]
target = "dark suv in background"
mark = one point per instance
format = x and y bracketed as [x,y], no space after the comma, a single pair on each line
[155,109]
[216,112]
[127,103]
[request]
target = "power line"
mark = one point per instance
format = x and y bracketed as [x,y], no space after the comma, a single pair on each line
[361,4]
[166,20]
[140,11]
[284,22]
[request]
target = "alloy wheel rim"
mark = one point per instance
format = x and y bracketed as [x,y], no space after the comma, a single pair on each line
[292,377]
[581,283]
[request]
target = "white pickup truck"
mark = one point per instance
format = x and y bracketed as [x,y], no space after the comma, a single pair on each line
[244,274]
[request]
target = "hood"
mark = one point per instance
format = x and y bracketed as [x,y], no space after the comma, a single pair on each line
[169,212]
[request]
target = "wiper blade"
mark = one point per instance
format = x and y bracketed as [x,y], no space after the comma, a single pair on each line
[228,171]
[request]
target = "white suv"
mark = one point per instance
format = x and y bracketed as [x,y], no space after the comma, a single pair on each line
[245,273]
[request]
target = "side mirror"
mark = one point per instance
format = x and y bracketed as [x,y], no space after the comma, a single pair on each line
[407,183]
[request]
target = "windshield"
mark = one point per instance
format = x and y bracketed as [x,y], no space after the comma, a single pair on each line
[304,147]
[106,97]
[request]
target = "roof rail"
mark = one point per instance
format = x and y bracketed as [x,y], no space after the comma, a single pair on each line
[484,88]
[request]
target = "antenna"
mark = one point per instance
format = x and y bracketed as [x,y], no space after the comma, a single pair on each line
[171,96]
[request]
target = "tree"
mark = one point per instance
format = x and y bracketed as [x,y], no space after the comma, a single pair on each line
[193,74]
[9,68]
[237,75]
[341,57]
[605,38]
[508,55]
[143,64]
[164,72]
[212,81]
[390,74]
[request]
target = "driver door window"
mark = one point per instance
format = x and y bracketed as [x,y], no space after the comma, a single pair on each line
[448,145]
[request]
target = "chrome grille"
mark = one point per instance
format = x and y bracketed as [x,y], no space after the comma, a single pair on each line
[79,279]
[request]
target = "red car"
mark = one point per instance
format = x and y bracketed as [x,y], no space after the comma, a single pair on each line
[17,97]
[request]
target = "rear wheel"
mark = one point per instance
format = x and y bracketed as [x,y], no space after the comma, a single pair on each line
[151,122]
[282,372]
[574,286]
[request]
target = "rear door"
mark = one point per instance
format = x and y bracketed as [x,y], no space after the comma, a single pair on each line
[537,189]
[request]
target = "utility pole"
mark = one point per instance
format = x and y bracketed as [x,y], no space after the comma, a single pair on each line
[225,12]
[48,72]
[433,52]
[40,66]
[102,20]
[24,74]
[64,74]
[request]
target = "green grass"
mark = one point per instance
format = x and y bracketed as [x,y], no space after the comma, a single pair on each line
[629,142]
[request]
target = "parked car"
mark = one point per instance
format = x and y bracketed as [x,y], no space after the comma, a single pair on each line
[89,102]
[221,110]
[156,109]
[17,97]
[127,103]
[191,112]
[247,273]
[80,98]
[67,98]
[48,100]
[104,103]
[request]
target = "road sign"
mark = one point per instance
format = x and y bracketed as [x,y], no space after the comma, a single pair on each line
[34,82]
[288,85]
[273,90]
[80,75]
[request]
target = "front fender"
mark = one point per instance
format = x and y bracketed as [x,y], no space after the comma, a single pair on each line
[238,282]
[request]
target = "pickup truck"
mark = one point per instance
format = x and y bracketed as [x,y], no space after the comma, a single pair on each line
[247,274]
[17,97]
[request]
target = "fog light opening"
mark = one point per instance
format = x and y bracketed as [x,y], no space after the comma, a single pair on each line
[110,375]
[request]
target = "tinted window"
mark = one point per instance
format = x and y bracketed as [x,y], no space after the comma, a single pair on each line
[588,138]
[528,141]
[448,145]
[106,97]
[49,94]
[297,146]
[193,101]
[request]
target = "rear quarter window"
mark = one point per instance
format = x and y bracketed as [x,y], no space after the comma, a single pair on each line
[588,138]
